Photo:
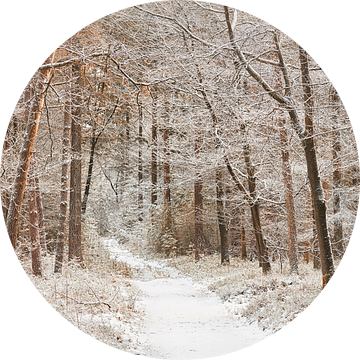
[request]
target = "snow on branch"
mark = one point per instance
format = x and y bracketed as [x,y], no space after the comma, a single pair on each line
[69,61]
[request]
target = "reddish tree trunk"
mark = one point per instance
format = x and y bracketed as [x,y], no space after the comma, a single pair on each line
[33,224]
[12,221]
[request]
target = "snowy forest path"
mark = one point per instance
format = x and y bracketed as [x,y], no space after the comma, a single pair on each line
[183,319]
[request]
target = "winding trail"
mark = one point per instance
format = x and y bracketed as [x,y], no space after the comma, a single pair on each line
[183,320]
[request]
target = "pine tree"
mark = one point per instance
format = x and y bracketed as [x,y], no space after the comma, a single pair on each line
[17,196]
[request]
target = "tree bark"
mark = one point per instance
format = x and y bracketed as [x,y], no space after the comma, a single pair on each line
[289,197]
[89,174]
[63,183]
[40,210]
[286,170]
[255,208]
[166,175]
[306,137]
[224,242]
[338,247]
[198,203]
[309,227]
[251,197]
[140,161]
[94,140]
[154,146]
[12,221]
[327,263]
[75,251]
[243,242]
[33,223]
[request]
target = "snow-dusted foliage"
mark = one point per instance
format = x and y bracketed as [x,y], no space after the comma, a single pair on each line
[206,136]
[100,300]
[270,301]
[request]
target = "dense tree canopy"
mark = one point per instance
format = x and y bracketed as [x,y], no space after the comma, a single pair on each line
[212,101]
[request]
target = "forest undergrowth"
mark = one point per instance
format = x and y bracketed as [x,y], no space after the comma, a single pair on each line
[99,299]
[272,300]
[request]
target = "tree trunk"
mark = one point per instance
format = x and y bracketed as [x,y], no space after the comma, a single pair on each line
[125,151]
[140,164]
[287,176]
[289,197]
[254,204]
[166,176]
[255,209]
[199,232]
[243,240]
[12,221]
[5,201]
[309,227]
[94,139]
[36,183]
[33,223]
[338,246]
[63,183]
[198,203]
[40,210]
[224,242]
[252,198]
[154,145]
[306,137]
[89,174]
[75,251]
[327,264]
[261,248]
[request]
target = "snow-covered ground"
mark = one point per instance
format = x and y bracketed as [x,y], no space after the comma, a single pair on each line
[174,308]
[183,320]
